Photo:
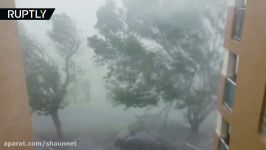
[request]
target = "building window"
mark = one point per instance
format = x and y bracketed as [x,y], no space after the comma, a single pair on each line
[239,19]
[229,92]
[263,130]
[230,82]
[232,66]
[241,3]
[263,120]
[225,136]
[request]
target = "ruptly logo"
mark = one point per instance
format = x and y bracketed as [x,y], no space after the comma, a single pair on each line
[26,13]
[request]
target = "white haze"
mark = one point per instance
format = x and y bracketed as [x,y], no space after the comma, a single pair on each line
[97,111]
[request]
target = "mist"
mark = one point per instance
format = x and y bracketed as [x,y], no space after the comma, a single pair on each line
[136,71]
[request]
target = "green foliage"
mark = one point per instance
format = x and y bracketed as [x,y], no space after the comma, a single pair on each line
[47,86]
[64,35]
[47,82]
[161,50]
[43,78]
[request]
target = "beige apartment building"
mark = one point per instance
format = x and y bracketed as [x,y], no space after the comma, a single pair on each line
[242,93]
[15,123]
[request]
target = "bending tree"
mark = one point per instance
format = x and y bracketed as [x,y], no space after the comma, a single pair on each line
[47,84]
[161,50]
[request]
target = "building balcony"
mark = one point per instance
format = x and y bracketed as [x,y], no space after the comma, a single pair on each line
[229,92]
[223,145]
[233,78]
[238,23]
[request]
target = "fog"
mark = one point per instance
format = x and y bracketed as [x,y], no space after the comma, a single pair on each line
[108,93]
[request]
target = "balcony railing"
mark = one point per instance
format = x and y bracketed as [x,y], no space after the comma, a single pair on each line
[238,24]
[229,92]
[233,78]
[223,145]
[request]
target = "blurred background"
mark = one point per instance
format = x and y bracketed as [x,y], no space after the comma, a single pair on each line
[125,74]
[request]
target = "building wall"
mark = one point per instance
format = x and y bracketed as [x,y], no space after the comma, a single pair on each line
[15,123]
[251,78]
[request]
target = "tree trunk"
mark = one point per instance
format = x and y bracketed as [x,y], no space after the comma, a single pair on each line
[166,115]
[195,128]
[57,124]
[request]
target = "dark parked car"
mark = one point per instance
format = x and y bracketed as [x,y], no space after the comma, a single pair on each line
[141,141]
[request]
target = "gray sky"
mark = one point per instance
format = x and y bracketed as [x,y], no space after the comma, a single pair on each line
[82,11]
